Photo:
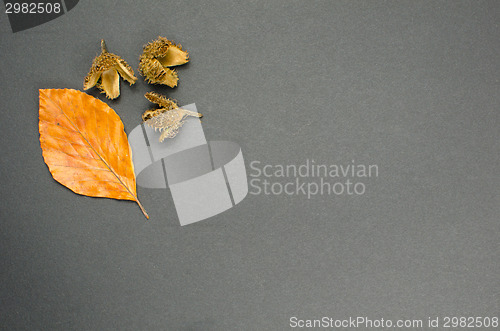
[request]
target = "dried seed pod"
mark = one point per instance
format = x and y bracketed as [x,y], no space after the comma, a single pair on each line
[166,51]
[169,118]
[157,57]
[104,73]
[161,100]
[150,113]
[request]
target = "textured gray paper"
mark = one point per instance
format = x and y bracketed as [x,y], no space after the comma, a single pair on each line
[410,86]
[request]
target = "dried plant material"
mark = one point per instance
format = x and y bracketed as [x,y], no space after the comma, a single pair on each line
[157,57]
[85,146]
[162,101]
[170,122]
[168,118]
[104,73]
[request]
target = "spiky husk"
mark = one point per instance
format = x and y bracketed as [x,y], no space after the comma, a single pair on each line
[169,121]
[104,72]
[161,100]
[161,48]
[157,57]
[150,113]
[155,73]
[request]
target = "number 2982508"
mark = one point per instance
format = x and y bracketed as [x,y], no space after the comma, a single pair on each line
[32,8]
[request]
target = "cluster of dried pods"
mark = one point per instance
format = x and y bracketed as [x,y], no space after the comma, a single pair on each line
[155,64]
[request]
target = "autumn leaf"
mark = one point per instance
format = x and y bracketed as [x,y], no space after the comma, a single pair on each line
[85,146]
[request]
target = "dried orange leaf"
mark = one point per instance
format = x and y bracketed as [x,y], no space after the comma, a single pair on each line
[85,146]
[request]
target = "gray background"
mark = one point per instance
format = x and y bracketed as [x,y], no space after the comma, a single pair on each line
[411,86]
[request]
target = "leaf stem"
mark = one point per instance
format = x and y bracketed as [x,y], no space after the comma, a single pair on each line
[142,208]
